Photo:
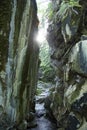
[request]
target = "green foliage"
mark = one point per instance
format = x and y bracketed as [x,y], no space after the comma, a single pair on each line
[68,14]
[45,11]
[45,57]
[74,3]
[49,11]
[47,70]
[67,7]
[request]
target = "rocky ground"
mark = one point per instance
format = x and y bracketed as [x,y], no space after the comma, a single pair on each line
[42,121]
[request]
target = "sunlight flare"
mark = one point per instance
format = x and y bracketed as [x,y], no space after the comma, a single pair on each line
[41,36]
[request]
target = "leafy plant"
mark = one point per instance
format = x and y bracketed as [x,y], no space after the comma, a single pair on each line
[67,7]
[45,67]
[44,55]
[75,3]
[50,11]
[67,14]
[48,14]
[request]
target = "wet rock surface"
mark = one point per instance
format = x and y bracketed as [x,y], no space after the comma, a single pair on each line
[43,122]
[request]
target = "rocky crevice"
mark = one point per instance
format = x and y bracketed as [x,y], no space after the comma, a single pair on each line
[41,120]
[67,37]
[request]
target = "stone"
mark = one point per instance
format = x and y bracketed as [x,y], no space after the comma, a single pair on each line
[67,38]
[84,127]
[60,128]
[19,56]
[80,105]
[23,125]
[30,116]
[32,124]
[73,122]
[78,58]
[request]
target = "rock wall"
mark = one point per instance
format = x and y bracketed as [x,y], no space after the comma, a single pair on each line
[67,38]
[18,58]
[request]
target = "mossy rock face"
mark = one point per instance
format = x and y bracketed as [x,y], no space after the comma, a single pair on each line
[18,60]
[5,16]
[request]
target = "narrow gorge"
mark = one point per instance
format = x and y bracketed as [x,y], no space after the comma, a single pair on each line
[49,98]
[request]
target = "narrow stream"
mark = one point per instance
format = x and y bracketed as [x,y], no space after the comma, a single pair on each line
[41,120]
[43,123]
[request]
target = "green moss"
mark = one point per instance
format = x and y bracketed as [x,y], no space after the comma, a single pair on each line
[5,16]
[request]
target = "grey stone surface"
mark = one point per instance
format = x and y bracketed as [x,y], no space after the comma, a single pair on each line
[78,58]
[18,58]
[67,38]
